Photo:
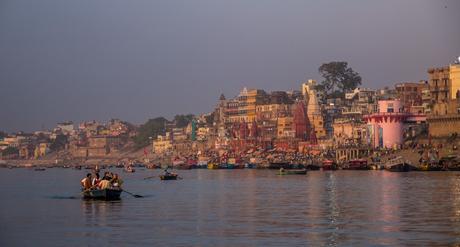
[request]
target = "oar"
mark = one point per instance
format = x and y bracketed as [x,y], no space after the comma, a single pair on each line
[136,196]
[150,177]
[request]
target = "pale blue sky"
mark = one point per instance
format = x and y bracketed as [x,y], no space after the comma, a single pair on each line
[100,59]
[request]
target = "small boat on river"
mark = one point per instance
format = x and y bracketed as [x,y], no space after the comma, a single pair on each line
[358,164]
[40,169]
[169,176]
[329,165]
[213,166]
[250,165]
[398,164]
[129,169]
[292,172]
[313,167]
[103,194]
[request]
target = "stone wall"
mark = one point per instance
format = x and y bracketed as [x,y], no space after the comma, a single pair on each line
[444,125]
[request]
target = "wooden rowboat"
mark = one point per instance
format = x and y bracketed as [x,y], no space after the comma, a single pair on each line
[293,172]
[105,194]
[170,176]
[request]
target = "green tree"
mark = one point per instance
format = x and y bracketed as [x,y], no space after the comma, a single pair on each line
[210,119]
[182,121]
[10,151]
[3,135]
[152,128]
[58,143]
[338,77]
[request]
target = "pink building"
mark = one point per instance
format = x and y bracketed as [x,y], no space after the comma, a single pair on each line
[386,127]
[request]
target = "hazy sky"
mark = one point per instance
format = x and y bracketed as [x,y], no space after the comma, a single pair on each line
[134,60]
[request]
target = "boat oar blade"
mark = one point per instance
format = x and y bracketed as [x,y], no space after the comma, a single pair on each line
[134,195]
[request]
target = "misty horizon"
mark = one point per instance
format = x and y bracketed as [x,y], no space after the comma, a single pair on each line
[97,60]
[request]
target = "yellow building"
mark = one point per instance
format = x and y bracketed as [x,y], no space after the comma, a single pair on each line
[243,108]
[43,149]
[268,112]
[202,133]
[162,144]
[444,119]
[444,83]
[254,98]
[454,76]
[285,127]
[349,130]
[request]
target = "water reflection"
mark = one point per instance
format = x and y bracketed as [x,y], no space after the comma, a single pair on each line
[334,210]
[388,215]
[241,207]
[100,213]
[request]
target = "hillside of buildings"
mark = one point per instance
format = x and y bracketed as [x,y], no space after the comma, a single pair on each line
[332,119]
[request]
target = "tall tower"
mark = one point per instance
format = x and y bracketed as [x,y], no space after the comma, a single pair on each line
[314,115]
[386,126]
[300,121]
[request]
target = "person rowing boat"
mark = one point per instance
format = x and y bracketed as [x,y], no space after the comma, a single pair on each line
[168,175]
[86,182]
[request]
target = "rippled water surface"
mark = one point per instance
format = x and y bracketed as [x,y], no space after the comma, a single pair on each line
[233,208]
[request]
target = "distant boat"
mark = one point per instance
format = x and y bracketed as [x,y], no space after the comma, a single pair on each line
[329,165]
[250,165]
[239,166]
[359,164]
[398,164]
[40,169]
[183,166]
[105,194]
[213,166]
[169,176]
[178,162]
[152,166]
[292,172]
[313,167]
[129,169]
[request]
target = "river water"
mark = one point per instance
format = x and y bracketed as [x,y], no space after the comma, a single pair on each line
[233,208]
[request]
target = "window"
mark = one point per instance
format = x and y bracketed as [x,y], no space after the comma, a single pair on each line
[390,107]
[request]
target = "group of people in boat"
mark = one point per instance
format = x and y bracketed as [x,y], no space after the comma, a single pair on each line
[94,181]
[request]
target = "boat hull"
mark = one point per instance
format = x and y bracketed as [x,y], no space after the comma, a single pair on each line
[106,194]
[400,168]
[313,167]
[293,172]
[168,177]
[250,166]
[213,166]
